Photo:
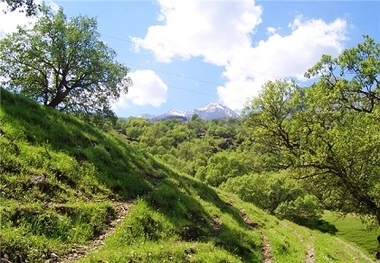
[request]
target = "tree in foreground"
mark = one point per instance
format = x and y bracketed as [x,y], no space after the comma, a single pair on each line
[328,134]
[63,64]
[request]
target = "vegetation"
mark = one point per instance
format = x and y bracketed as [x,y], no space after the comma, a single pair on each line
[56,183]
[327,134]
[279,195]
[62,63]
[95,190]
[27,6]
[59,193]
[351,228]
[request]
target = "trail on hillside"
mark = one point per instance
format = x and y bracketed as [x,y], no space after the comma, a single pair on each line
[310,256]
[266,250]
[357,255]
[266,247]
[80,251]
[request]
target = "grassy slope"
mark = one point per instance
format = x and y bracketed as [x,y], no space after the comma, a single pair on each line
[351,228]
[60,180]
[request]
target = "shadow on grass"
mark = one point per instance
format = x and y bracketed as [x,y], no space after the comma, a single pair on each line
[324,227]
[177,198]
[119,167]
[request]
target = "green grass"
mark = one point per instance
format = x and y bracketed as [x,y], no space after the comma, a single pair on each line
[61,178]
[352,229]
[57,177]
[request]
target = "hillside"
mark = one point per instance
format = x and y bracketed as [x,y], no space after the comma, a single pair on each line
[71,192]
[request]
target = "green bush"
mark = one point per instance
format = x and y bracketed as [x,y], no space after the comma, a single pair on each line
[279,195]
[266,191]
[305,210]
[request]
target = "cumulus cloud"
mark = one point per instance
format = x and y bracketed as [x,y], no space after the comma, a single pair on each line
[280,57]
[220,32]
[148,89]
[10,20]
[213,30]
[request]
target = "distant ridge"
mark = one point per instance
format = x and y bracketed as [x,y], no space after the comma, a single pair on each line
[208,112]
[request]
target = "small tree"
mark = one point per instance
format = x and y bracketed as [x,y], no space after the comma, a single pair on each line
[62,63]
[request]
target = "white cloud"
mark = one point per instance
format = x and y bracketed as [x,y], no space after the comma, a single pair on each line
[213,30]
[10,20]
[148,89]
[221,31]
[280,57]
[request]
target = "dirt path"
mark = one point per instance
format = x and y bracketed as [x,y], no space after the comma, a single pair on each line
[357,255]
[80,251]
[266,250]
[266,247]
[310,256]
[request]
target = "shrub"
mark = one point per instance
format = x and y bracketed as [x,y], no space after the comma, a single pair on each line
[304,210]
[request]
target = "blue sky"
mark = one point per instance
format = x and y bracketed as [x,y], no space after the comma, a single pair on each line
[185,54]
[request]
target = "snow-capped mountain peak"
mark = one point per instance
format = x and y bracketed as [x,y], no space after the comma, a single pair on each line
[208,112]
[212,107]
[215,111]
[177,113]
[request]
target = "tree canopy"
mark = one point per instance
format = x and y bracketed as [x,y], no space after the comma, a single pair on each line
[63,64]
[328,134]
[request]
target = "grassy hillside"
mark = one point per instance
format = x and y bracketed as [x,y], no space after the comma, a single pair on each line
[70,192]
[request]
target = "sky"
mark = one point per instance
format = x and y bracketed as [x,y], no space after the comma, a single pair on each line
[183,54]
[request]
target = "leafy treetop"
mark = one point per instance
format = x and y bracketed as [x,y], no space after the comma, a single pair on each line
[63,64]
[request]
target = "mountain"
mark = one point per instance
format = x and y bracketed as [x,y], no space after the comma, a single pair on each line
[208,112]
[215,111]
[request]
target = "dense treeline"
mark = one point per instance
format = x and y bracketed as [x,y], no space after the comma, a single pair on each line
[325,136]
[219,153]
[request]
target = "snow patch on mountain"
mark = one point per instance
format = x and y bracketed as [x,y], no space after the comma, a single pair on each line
[208,112]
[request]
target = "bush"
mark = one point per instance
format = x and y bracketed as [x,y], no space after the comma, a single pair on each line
[266,191]
[305,210]
[279,195]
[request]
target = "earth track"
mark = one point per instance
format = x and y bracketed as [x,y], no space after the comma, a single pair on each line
[310,255]
[80,251]
[266,250]
[355,252]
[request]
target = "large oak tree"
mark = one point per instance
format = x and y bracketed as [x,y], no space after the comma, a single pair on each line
[63,64]
[327,134]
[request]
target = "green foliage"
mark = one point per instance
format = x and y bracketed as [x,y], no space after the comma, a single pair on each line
[60,179]
[28,6]
[277,194]
[327,133]
[304,210]
[267,191]
[194,147]
[61,63]
[222,166]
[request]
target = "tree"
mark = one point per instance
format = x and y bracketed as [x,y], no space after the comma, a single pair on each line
[328,134]
[28,6]
[62,63]
[360,93]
